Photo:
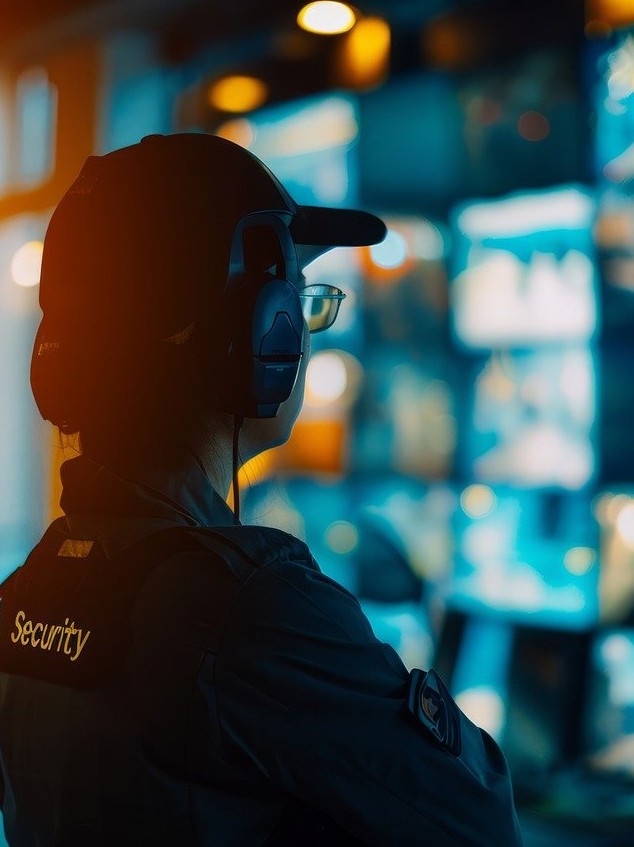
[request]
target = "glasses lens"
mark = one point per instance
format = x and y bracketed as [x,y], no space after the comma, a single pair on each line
[320,305]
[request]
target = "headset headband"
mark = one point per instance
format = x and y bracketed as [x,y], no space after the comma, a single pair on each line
[274,219]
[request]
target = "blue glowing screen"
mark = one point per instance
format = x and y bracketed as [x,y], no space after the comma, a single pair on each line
[524,270]
[531,557]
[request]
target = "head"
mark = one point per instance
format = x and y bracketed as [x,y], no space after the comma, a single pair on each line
[171,299]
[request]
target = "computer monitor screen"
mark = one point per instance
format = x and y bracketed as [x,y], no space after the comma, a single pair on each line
[524,270]
[527,418]
[526,557]
[611,66]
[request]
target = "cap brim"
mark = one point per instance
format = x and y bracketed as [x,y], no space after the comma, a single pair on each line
[316,229]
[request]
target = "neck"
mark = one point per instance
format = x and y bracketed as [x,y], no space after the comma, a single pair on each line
[212,449]
[217,468]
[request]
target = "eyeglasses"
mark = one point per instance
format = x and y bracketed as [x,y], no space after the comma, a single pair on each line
[320,305]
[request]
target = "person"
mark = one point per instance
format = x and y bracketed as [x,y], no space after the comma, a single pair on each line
[167,675]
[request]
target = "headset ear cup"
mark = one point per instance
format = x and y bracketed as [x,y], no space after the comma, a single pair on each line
[277,336]
[265,349]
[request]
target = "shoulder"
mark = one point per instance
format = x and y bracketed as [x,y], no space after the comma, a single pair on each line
[243,549]
[255,574]
[261,546]
[246,584]
[223,561]
[200,583]
[260,586]
[277,573]
[286,586]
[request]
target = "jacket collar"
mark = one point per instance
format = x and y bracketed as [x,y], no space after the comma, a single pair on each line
[121,507]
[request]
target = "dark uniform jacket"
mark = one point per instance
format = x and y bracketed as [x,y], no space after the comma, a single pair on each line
[164,684]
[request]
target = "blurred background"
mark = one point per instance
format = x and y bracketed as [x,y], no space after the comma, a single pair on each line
[464,462]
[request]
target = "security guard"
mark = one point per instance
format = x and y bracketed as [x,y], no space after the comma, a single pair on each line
[168,676]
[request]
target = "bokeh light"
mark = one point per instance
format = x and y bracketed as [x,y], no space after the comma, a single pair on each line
[366,53]
[616,648]
[580,560]
[533,126]
[428,241]
[391,252]
[342,537]
[326,18]
[238,94]
[477,500]
[26,264]
[485,707]
[613,504]
[326,378]
[625,524]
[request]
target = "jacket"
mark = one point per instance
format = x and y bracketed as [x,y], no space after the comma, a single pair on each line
[167,678]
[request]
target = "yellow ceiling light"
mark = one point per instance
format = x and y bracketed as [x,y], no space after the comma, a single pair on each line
[238,94]
[365,56]
[326,18]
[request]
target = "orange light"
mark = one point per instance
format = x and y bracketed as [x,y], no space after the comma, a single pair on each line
[239,130]
[326,18]
[238,94]
[366,53]
[613,12]
[315,445]
[257,469]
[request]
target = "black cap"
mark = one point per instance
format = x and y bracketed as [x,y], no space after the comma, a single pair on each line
[159,215]
[138,247]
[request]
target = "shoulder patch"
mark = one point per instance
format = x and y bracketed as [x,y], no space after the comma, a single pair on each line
[78,548]
[433,706]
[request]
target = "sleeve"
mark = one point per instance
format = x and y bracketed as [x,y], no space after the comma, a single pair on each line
[331,716]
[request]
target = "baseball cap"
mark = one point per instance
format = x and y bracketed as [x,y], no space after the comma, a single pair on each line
[138,247]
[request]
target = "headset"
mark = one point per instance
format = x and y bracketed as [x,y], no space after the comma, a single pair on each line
[264,351]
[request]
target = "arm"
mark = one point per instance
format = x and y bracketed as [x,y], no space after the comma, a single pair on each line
[320,707]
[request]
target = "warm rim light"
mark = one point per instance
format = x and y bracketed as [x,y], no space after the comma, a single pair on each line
[238,93]
[326,18]
[26,264]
